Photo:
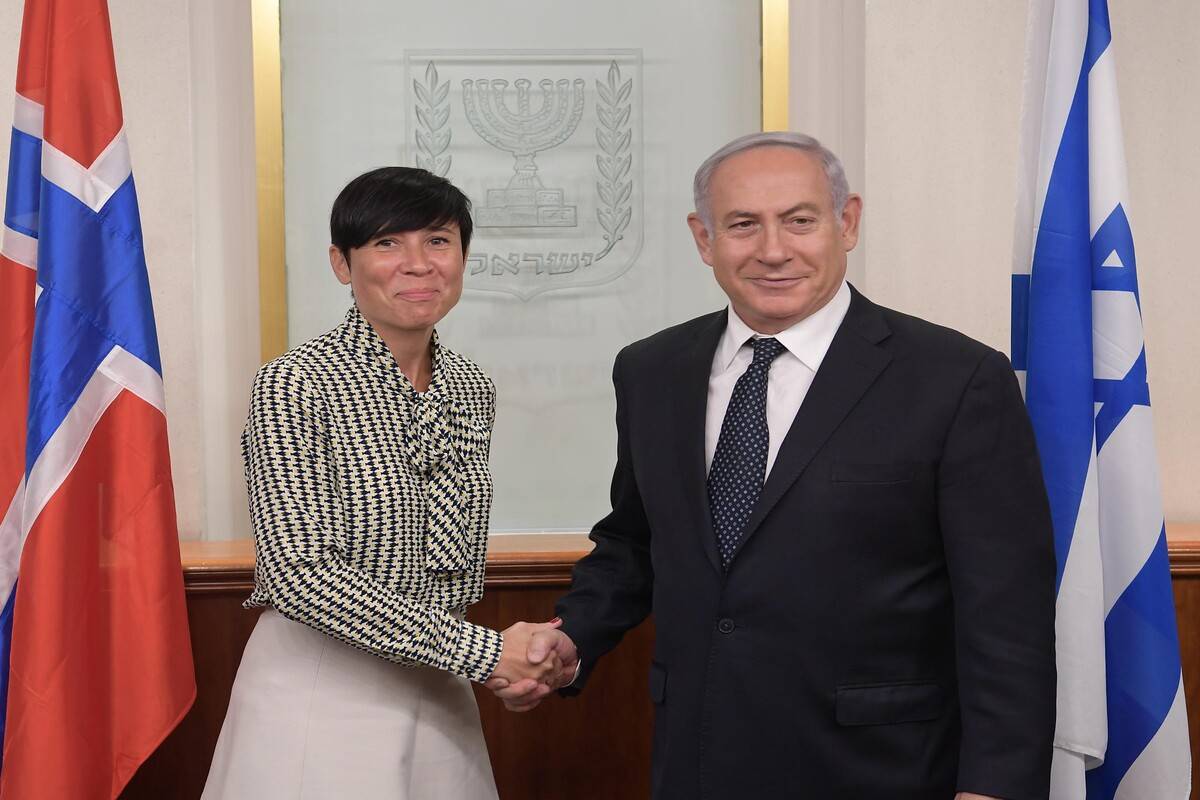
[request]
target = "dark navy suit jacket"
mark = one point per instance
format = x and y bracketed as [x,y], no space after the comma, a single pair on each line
[886,628]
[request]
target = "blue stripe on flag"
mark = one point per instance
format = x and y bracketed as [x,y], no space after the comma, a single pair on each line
[96,295]
[24,183]
[1058,388]
[1099,33]
[1142,654]
[6,627]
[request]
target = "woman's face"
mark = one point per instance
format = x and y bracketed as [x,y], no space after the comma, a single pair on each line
[404,282]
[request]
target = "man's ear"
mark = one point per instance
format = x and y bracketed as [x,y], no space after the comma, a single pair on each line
[851,217]
[701,235]
[341,267]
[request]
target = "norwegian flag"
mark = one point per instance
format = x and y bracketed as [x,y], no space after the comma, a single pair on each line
[96,664]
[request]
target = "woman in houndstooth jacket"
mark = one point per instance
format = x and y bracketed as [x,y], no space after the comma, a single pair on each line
[366,453]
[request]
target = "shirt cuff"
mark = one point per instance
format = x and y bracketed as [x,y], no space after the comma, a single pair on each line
[475,653]
[575,677]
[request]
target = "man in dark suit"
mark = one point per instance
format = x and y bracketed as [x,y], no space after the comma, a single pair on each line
[835,513]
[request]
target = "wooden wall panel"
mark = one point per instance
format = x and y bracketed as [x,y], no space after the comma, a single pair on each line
[546,754]
[1185,581]
[596,745]
[220,628]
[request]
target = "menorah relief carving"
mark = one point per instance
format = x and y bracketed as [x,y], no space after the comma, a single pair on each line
[566,211]
[525,201]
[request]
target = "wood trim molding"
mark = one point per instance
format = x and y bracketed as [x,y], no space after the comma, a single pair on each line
[531,569]
[1183,549]
[530,559]
[534,559]
[219,581]
[1185,559]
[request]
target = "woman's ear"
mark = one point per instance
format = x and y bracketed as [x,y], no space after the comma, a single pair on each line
[340,264]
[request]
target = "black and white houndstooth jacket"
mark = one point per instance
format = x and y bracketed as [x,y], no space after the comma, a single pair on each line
[370,501]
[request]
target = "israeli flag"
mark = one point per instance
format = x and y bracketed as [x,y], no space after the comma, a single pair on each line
[1077,345]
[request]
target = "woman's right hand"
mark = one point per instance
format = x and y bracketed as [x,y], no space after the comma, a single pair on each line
[514,664]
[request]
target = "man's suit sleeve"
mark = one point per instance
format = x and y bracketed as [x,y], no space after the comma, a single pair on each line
[999,545]
[611,587]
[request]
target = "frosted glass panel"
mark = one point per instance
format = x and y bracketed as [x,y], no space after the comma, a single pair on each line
[575,128]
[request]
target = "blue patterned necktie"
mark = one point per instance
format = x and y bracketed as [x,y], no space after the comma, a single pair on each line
[739,464]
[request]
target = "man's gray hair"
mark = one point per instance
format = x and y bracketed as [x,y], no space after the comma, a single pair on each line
[839,189]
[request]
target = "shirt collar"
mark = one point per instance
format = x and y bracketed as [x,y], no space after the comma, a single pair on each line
[808,340]
[364,341]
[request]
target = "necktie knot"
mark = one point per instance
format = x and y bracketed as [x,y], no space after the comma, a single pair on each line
[766,350]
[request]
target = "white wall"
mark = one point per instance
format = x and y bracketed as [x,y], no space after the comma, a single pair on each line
[225,265]
[943,99]
[921,97]
[1158,67]
[826,81]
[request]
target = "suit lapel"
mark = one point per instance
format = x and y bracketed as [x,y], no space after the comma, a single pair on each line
[693,369]
[852,364]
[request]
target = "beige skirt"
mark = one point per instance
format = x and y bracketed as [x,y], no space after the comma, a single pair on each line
[312,718]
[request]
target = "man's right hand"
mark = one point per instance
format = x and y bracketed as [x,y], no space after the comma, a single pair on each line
[548,648]
[514,667]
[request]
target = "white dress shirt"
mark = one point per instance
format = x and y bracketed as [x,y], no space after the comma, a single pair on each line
[791,373]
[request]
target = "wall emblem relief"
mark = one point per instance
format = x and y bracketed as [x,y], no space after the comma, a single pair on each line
[548,146]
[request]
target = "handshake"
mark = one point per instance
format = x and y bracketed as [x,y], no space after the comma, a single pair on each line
[537,658]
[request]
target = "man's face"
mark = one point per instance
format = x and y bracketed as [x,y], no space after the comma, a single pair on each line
[776,247]
[404,282]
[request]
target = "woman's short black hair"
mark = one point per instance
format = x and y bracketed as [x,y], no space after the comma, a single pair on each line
[395,200]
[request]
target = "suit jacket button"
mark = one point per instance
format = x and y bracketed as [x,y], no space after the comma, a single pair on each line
[726,625]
